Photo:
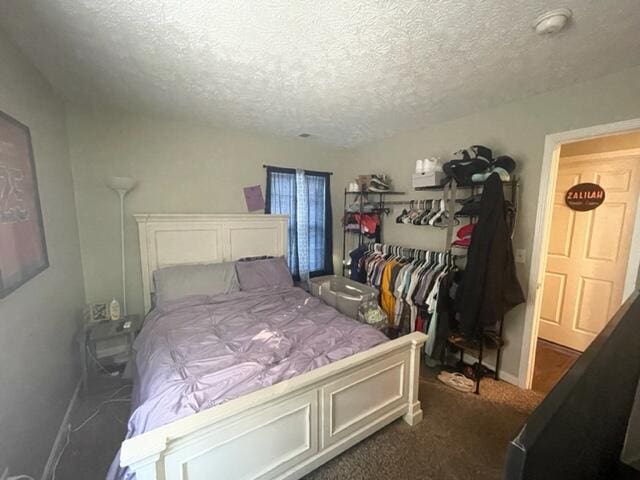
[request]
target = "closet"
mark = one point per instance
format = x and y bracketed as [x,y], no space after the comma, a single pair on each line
[417,287]
[450,209]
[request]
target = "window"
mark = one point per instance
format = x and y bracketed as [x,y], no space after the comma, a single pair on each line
[306,197]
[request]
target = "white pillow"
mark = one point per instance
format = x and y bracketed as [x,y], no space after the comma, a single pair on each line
[172,283]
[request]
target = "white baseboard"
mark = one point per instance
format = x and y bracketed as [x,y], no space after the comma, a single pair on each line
[502,375]
[58,443]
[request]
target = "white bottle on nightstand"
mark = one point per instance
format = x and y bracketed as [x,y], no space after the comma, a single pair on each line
[114,310]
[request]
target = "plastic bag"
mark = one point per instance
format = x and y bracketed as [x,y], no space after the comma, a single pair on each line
[369,312]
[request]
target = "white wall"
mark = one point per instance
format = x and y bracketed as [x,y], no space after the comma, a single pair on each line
[181,167]
[38,366]
[517,129]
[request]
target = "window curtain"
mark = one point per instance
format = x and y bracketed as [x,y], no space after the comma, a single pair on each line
[304,196]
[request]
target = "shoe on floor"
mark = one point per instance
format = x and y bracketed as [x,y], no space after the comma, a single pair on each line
[457,380]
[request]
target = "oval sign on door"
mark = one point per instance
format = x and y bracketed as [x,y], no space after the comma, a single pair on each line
[584,196]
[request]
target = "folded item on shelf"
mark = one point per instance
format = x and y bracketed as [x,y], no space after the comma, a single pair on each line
[365,222]
[479,152]
[464,235]
[467,162]
[503,166]
[360,205]
[368,222]
[505,162]
[428,165]
[353,187]
[471,206]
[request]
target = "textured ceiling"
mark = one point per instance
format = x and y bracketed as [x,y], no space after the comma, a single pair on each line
[345,71]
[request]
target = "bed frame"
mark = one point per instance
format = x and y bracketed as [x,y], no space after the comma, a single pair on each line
[286,430]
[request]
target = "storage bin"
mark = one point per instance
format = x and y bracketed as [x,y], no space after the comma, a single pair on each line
[343,294]
[429,179]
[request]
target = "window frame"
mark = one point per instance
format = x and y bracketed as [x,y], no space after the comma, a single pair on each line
[328,220]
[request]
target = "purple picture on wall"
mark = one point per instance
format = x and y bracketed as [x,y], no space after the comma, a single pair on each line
[253,197]
[23,251]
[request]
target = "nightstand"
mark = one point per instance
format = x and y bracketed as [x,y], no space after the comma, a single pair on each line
[109,331]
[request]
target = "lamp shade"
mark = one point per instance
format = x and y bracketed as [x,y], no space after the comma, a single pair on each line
[121,184]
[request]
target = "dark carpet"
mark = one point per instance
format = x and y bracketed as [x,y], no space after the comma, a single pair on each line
[462,436]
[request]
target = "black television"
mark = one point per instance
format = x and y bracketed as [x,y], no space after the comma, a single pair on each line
[579,429]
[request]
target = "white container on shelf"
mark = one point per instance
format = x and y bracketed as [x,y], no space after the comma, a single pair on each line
[429,179]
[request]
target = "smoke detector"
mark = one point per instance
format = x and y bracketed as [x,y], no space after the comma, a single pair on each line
[552,21]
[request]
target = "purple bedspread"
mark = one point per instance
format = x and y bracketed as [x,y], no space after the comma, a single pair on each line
[201,351]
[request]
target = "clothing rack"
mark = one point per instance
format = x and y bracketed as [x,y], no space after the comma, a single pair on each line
[451,195]
[380,204]
[425,263]
[489,338]
[408,252]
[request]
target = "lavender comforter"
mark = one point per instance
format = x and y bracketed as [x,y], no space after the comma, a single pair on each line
[199,351]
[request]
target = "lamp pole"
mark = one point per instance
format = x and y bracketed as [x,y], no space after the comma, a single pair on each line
[122,185]
[121,194]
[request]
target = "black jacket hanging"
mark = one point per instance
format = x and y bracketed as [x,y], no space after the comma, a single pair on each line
[490,287]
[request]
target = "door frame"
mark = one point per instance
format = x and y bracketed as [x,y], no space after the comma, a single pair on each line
[548,176]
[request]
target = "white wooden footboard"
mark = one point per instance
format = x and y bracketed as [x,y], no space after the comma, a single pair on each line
[287,430]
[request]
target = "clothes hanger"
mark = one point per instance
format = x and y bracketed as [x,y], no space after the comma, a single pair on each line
[439,212]
[412,209]
[428,206]
[419,213]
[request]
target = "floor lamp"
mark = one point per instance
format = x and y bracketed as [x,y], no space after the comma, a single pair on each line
[122,185]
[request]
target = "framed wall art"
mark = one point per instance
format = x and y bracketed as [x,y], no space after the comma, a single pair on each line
[23,250]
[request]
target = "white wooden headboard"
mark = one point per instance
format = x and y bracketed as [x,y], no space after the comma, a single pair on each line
[180,239]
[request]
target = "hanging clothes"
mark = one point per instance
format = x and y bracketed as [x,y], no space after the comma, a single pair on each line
[490,287]
[387,300]
[409,281]
[356,272]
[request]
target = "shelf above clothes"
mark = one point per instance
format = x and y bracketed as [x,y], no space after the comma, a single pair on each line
[491,341]
[369,192]
[510,183]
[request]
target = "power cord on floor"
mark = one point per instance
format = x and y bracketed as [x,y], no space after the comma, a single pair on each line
[96,361]
[71,429]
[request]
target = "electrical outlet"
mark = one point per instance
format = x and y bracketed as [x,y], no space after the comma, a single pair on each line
[5,474]
[520,255]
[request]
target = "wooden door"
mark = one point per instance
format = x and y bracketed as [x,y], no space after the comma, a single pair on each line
[588,251]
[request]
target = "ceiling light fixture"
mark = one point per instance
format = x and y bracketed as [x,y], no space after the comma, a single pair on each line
[552,21]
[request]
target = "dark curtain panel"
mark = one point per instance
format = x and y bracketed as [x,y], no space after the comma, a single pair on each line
[283,197]
[320,224]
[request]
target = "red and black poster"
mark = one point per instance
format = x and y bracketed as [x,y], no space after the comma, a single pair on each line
[23,251]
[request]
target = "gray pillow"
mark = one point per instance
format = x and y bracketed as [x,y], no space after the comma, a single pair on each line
[264,274]
[179,281]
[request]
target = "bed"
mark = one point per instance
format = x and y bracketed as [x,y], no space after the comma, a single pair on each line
[302,383]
